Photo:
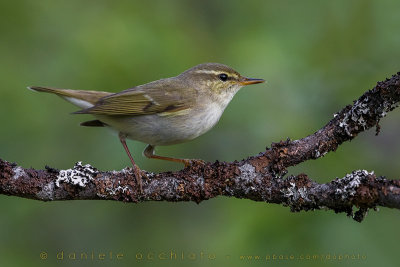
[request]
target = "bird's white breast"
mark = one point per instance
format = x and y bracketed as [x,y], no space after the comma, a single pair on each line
[159,129]
[203,120]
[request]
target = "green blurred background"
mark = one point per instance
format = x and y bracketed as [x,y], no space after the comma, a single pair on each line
[317,57]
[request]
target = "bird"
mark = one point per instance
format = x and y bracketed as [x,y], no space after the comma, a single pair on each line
[162,112]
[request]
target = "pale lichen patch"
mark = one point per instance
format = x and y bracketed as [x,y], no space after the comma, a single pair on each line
[248,172]
[355,115]
[358,118]
[18,172]
[347,186]
[118,189]
[248,178]
[80,175]
[47,193]
[293,193]
[247,181]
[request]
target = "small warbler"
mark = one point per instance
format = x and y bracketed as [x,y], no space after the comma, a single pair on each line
[162,112]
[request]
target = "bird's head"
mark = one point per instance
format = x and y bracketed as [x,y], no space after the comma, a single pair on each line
[216,79]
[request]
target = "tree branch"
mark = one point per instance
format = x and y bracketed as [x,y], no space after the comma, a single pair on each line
[259,178]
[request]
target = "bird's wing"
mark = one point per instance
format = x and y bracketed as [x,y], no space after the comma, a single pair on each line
[163,96]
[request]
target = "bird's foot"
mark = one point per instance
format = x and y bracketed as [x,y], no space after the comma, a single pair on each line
[193,162]
[139,174]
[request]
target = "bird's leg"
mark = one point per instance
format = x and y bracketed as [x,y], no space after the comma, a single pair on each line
[149,153]
[138,172]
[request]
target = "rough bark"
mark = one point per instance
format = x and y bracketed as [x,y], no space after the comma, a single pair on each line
[259,178]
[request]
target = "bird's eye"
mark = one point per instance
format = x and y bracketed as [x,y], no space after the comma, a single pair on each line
[223,77]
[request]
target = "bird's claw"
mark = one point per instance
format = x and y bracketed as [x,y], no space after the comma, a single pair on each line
[139,174]
[193,162]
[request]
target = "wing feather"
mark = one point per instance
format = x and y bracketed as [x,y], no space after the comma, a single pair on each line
[165,95]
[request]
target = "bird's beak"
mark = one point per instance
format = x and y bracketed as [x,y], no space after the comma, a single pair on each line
[248,81]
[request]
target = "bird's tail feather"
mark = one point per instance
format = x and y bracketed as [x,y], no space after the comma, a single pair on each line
[80,98]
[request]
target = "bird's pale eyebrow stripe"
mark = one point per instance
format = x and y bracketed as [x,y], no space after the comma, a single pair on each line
[208,71]
[216,72]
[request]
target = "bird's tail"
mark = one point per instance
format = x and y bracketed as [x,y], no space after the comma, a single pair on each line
[81,98]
